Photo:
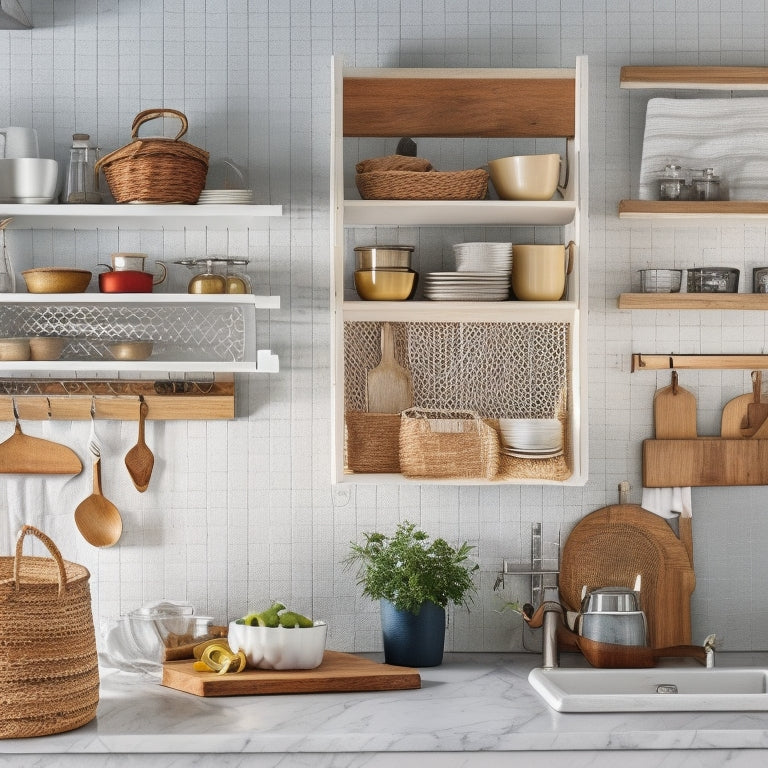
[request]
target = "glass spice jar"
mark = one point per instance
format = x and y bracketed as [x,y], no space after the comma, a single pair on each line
[706,186]
[672,183]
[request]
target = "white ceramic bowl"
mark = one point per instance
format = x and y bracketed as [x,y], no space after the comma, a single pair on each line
[525,177]
[28,180]
[278,647]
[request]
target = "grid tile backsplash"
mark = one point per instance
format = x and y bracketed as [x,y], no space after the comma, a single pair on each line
[243,512]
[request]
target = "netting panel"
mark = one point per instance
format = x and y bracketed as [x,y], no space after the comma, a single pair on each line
[497,370]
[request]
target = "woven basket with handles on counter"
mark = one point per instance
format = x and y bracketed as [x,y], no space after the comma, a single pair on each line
[49,674]
[157,169]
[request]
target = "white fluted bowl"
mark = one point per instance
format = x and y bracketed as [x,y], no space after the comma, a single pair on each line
[278,647]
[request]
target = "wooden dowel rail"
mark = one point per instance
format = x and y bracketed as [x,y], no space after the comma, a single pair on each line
[643,362]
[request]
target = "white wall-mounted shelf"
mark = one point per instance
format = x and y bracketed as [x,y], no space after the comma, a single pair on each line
[149,217]
[191,333]
[446,213]
[460,311]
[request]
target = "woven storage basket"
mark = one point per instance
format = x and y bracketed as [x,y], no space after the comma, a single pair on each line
[373,441]
[49,675]
[156,170]
[393,163]
[456,444]
[420,185]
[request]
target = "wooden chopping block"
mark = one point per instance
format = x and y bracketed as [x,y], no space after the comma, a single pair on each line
[674,412]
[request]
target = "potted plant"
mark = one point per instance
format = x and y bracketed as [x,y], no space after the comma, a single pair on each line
[414,579]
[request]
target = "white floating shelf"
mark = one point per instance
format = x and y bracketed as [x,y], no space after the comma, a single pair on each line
[164,217]
[451,213]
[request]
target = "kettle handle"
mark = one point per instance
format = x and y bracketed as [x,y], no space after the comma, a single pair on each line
[157,279]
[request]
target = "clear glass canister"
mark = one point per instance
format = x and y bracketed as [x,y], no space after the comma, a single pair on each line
[672,183]
[705,186]
[81,184]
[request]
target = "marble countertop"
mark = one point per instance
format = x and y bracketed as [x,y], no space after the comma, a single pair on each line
[472,703]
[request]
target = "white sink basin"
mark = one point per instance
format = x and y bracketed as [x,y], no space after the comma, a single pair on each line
[638,690]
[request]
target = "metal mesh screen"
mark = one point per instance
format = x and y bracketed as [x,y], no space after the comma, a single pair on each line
[214,332]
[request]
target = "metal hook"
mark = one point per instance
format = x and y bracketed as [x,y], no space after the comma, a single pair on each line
[93,407]
[48,402]
[674,382]
[15,411]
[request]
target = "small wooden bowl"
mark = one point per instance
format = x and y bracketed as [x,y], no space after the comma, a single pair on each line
[56,280]
[14,349]
[47,347]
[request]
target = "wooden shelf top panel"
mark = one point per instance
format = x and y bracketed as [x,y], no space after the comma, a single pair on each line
[743,301]
[484,107]
[720,78]
[692,209]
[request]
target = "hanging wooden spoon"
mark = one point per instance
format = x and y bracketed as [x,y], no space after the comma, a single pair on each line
[96,517]
[140,460]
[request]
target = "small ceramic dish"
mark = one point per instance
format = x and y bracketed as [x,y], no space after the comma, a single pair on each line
[131,350]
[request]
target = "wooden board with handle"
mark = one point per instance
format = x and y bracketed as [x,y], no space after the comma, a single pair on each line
[21,454]
[338,672]
[390,389]
[674,412]
[734,413]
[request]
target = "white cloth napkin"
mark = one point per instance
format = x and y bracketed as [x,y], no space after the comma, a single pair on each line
[667,502]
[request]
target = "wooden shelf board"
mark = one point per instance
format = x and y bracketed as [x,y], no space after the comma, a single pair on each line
[692,209]
[695,77]
[742,301]
[705,461]
[737,362]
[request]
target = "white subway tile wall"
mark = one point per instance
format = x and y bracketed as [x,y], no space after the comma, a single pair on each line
[243,512]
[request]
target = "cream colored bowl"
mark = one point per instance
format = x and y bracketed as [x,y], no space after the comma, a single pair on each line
[525,177]
[278,647]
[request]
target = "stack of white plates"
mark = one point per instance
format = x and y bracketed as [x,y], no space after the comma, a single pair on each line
[531,438]
[466,286]
[225,197]
[483,257]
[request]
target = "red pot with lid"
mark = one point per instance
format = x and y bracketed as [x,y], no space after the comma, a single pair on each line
[126,281]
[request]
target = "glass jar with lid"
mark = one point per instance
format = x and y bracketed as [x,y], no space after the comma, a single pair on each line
[672,183]
[705,185]
[218,274]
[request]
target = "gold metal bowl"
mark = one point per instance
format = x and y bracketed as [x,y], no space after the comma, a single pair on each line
[385,284]
[14,349]
[56,280]
[47,347]
[131,350]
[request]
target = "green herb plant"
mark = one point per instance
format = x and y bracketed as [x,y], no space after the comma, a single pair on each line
[408,570]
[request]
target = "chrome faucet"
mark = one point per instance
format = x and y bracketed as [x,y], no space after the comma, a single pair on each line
[709,650]
[548,615]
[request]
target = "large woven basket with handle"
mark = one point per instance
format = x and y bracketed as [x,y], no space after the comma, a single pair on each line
[49,675]
[158,169]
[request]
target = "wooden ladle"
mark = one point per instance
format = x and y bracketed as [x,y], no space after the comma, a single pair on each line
[140,460]
[96,517]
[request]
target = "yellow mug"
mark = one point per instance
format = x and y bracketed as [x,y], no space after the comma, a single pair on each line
[539,272]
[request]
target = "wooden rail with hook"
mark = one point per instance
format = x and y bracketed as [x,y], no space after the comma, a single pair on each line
[72,400]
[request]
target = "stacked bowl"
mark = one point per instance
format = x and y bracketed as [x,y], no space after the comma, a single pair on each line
[383,272]
[531,438]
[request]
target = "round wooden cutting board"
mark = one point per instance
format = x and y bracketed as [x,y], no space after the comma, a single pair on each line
[611,546]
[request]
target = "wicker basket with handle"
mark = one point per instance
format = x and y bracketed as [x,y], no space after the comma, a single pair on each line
[156,170]
[457,444]
[49,675]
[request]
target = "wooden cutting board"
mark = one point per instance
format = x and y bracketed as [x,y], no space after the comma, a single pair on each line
[734,413]
[338,672]
[610,546]
[674,412]
[389,385]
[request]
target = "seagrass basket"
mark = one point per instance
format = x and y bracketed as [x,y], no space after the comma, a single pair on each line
[156,170]
[423,185]
[373,441]
[393,163]
[447,444]
[49,675]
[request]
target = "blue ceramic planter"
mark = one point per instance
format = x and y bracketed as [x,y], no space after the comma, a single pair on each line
[413,640]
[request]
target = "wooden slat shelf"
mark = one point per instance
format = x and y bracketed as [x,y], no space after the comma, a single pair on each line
[695,77]
[692,209]
[641,362]
[743,301]
[705,461]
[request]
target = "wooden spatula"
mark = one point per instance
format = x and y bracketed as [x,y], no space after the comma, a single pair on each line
[674,412]
[390,389]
